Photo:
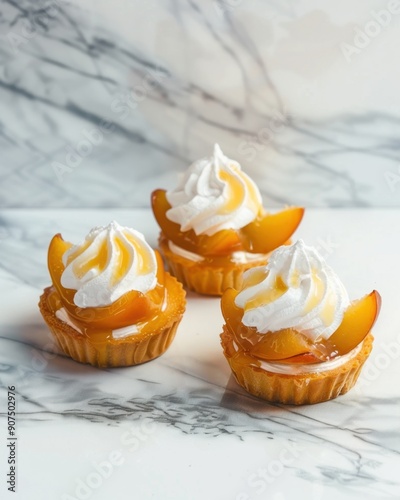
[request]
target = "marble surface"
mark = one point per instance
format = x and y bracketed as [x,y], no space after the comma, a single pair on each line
[179,427]
[99,98]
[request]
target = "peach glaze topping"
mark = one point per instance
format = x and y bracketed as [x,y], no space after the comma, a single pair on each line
[145,312]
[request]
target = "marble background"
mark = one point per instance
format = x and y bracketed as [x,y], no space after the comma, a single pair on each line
[181,426]
[104,101]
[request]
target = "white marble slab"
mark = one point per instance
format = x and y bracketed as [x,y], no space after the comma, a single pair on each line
[99,99]
[179,427]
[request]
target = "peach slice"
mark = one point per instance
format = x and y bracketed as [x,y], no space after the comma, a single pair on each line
[269,231]
[281,345]
[263,235]
[357,322]
[127,310]
[268,346]
[221,243]
[233,318]
[291,346]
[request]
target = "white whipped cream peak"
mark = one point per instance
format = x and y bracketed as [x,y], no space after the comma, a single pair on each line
[110,262]
[296,289]
[214,194]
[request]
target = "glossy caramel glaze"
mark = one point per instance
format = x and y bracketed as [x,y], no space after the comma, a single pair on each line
[146,313]
[264,234]
[290,346]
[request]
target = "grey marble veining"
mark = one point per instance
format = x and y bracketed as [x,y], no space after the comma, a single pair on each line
[102,103]
[181,424]
[325,437]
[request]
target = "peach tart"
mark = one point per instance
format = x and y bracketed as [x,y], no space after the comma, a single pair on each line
[291,334]
[111,303]
[214,227]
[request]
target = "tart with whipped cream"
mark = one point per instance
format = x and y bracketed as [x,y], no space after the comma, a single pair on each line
[214,226]
[291,334]
[111,302]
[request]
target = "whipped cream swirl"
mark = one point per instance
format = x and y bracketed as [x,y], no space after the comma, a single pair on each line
[214,194]
[296,289]
[110,262]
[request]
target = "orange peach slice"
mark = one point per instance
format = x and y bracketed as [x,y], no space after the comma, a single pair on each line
[232,314]
[269,231]
[127,310]
[357,322]
[233,318]
[221,243]
[263,235]
[280,345]
[268,346]
[291,346]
